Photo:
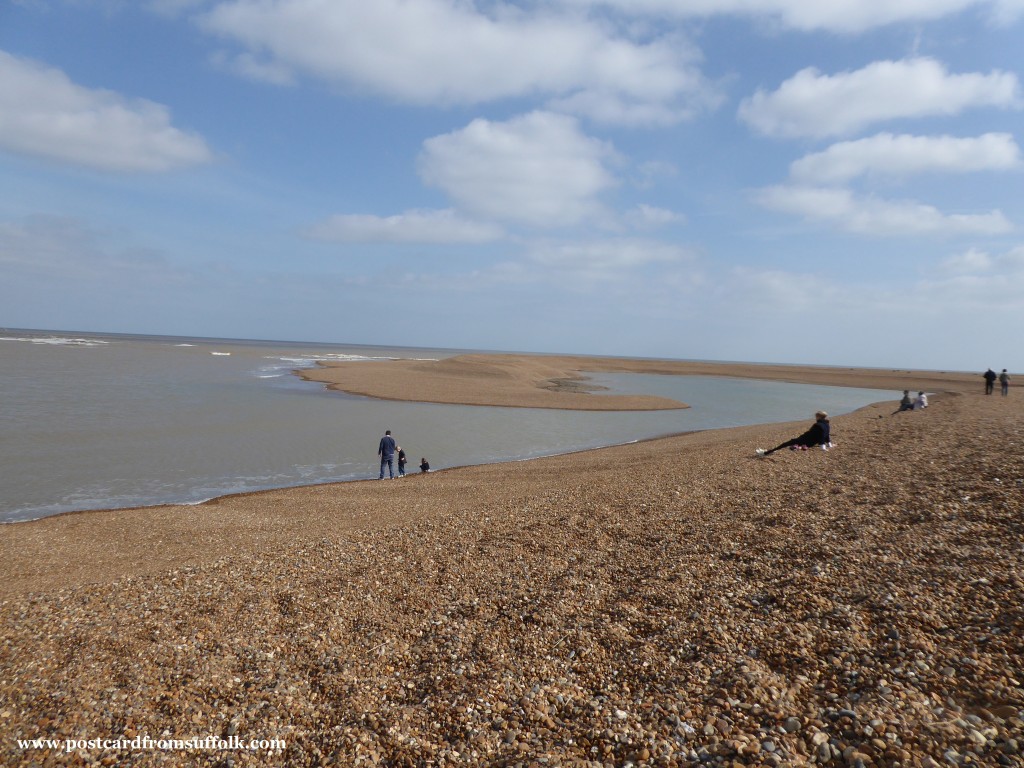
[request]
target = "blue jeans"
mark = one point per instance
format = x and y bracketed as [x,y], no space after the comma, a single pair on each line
[390,461]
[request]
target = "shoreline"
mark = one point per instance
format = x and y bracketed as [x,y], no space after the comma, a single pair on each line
[476,382]
[565,388]
[188,520]
[670,602]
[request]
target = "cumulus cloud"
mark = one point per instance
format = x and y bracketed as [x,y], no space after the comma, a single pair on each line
[849,16]
[43,113]
[538,169]
[889,155]
[417,226]
[974,261]
[607,256]
[786,291]
[651,217]
[817,105]
[976,279]
[254,68]
[453,52]
[969,262]
[624,268]
[870,216]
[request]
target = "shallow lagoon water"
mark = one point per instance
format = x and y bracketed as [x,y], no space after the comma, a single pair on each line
[92,422]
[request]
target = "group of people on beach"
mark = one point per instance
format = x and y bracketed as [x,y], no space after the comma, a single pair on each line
[819,435]
[388,449]
[909,403]
[990,381]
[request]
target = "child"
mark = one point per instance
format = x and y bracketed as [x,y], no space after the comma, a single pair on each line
[424,466]
[401,462]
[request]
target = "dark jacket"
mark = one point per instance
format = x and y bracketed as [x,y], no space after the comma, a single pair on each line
[820,433]
[387,447]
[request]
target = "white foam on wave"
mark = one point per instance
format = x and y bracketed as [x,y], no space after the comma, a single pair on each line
[57,341]
[283,365]
[221,354]
[343,357]
[184,345]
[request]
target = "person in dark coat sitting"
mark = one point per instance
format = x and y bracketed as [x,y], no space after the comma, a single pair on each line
[820,433]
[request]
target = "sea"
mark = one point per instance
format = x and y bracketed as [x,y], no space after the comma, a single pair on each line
[93,421]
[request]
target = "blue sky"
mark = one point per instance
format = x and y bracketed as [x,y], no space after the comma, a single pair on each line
[764,180]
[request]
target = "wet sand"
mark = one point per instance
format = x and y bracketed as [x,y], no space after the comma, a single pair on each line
[665,603]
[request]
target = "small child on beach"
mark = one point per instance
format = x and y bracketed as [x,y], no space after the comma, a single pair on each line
[424,466]
[401,462]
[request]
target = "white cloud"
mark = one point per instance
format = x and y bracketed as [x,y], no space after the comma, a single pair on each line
[968,262]
[43,113]
[813,104]
[1008,11]
[453,52]
[610,256]
[977,262]
[848,16]
[789,292]
[410,227]
[889,155]
[539,169]
[250,66]
[870,216]
[651,217]
[976,280]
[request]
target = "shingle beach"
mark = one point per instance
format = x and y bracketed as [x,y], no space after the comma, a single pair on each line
[667,603]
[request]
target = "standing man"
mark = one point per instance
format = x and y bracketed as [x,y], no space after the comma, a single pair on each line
[990,380]
[386,451]
[1004,382]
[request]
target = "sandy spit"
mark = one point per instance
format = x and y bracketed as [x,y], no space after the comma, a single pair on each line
[559,381]
[675,602]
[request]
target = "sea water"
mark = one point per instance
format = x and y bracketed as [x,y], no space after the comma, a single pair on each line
[106,421]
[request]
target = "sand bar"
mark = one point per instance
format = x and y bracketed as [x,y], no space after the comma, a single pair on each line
[668,603]
[535,381]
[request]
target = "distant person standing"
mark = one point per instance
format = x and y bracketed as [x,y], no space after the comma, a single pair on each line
[1004,382]
[990,380]
[401,462]
[386,451]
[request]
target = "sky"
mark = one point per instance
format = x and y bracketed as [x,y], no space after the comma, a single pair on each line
[790,181]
